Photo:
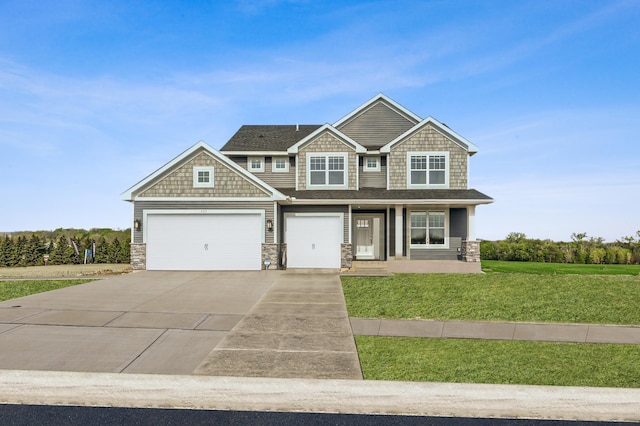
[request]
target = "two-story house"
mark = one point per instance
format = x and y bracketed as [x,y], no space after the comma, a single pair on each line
[379,184]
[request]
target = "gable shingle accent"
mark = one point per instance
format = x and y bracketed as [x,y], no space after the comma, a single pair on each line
[227,182]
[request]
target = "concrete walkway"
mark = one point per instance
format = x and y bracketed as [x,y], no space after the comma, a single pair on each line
[544,332]
[300,328]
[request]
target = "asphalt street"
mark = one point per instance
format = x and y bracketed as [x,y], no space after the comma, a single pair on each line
[23,415]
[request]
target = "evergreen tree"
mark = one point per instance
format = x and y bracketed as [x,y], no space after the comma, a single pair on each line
[62,253]
[6,249]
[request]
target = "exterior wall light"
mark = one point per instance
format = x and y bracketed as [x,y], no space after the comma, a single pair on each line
[269,225]
[137,226]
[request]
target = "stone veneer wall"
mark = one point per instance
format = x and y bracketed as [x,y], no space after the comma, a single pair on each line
[138,256]
[470,251]
[271,252]
[428,139]
[346,256]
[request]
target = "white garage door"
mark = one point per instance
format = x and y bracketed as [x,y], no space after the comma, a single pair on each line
[203,241]
[313,241]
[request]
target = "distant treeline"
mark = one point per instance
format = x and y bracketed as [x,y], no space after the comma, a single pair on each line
[581,249]
[64,246]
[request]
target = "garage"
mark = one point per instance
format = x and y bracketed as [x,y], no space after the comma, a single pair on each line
[218,241]
[313,241]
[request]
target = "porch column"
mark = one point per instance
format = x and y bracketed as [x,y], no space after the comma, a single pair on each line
[399,232]
[471,223]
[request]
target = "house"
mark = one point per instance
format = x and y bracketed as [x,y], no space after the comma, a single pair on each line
[380,184]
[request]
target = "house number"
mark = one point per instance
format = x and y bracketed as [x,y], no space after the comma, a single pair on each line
[206,247]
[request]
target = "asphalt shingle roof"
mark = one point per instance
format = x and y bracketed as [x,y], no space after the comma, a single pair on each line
[268,137]
[384,194]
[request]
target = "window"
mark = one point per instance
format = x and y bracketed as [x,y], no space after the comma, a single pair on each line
[327,170]
[280,164]
[203,177]
[255,164]
[428,169]
[428,229]
[371,164]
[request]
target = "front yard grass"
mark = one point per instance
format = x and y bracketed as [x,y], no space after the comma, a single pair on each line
[19,288]
[499,362]
[565,298]
[490,266]
[535,293]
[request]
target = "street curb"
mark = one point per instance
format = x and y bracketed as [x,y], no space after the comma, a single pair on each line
[320,396]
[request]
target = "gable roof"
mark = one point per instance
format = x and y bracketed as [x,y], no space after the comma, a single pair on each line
[267,137]
[329,128]
[371,102]
[442,128]
[129,194]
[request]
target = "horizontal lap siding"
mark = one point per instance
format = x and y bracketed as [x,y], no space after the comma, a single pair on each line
[140,206]
[451,253]
[373,179]
[275,179]
[376,126]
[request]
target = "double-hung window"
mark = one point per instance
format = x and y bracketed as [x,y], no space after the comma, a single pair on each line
[428,229]
[326,171]
[428,170]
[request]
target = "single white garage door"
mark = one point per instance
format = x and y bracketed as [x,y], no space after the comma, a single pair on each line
[207,242]
[313,241]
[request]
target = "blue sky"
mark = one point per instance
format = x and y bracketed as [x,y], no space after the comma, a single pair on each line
[95,95]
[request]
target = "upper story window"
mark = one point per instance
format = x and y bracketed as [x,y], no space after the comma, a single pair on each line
[255,164]
[203,177]
[428,169]
[428,229]
[326,171]
[280,164]
[371,164]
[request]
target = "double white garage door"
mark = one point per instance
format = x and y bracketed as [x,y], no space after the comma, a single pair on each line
[232,241]
[210,242]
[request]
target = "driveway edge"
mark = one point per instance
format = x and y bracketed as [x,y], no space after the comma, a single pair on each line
[322,396]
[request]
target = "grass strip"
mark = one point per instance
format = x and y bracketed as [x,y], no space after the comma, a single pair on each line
[19,288]
[499,362]
[592,299]
[492,266]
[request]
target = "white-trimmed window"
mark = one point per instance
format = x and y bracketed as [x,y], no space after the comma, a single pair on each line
[371,164]
[255,164]
[280,164]
[327,171]
[203,177]
[428,229]
[428,169]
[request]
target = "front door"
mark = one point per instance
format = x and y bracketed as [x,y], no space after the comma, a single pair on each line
[368,236]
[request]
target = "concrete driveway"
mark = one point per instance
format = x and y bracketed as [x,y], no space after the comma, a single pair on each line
[145,322]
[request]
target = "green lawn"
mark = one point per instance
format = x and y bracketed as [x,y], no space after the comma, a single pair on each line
[593,299]
[18,288]
[490,266]
[501,362]
[534,294]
